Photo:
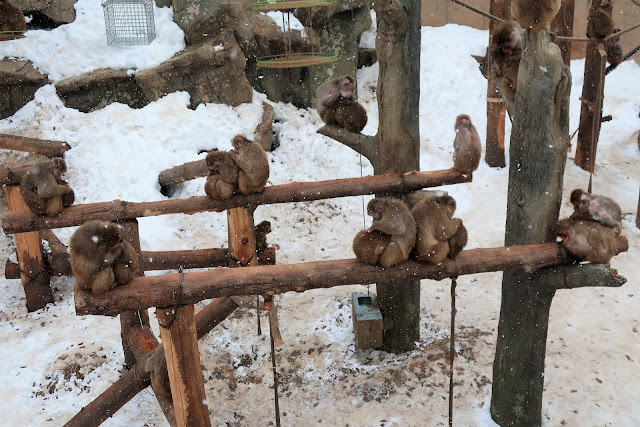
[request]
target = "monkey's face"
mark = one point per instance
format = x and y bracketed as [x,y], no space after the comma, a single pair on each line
[375,210]
[346,88]
[562,229]
[462,121]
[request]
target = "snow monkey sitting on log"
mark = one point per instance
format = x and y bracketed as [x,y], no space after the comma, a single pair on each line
[590,240]
[437,230]
[336,106]
[505,51]
[597,208]
[44,191]
[392,234]
[245,169]
[12,22]
[535,14]
[100,258]
[467,147]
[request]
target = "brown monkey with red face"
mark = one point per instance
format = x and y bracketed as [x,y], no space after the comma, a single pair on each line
[535,14]
[12,22]
[597,208]
[252,163]
[590,240]
[505,51]
[391,217]
[436,227]
[336,106]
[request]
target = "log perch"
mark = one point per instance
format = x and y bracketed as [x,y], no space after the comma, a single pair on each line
[13,176]
[18,222]
[186,288]
[58,258]
[182,173]
[33,145]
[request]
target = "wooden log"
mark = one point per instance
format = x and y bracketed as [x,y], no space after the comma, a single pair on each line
[591,107]
[168,260]
[638,211]
[294,192]
[182,173]
[57,256]
[180,341]
[167,290]
[562,25]
[33,145]
[137,379]
[13,176]
[33,272]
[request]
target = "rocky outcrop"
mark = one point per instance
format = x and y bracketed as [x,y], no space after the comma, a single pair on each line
[19,81]
[59,11]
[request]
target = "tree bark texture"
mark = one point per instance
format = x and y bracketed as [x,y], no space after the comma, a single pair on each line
[398,147]
[187,288]
[117,210]
[538,152]
[33,145]
[562,25]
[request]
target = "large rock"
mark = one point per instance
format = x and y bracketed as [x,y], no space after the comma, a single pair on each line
[59,11]
[97,89]
[212,72]
[19,81]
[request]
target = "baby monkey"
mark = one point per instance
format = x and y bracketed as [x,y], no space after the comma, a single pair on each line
[336,106]
[505,51]
[222,182]
[590,240]
[392,220]
[44,191]
[467,147]
[100,258]
[597,208]
[436,228]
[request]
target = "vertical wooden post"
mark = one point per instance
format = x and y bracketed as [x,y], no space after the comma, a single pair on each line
[562,25]
[591,108]
[638,212]
[180,341]
[138,318]
[496,109]
[33,272]
[242,239]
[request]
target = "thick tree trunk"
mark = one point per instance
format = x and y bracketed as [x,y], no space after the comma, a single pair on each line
[398,48]
[538,153]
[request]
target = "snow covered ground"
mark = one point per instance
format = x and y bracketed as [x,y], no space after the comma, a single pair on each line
[54,362]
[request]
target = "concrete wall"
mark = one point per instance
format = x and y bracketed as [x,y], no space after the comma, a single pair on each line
[440,12]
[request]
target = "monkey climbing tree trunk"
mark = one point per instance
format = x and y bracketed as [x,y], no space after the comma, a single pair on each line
[398,146]
[538,152]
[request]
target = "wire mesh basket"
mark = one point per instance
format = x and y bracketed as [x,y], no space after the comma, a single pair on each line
[129,22]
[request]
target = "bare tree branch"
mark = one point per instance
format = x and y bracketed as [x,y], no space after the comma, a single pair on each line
[363,144]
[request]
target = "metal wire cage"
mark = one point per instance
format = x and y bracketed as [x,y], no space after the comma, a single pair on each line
[129,22]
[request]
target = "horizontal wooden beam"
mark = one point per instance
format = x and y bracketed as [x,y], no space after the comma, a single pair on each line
[18,222]
[167,260]
[182,173]
[188,288]
[13,176]
[33,145]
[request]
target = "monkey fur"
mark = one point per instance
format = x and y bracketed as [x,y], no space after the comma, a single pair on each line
[156,365]
[222,182]
[11,19]
[393,217]
[599,21]
[44,191]
[590,240]
[436,226]
[252,163]
[125,267]
[535,14]
[262,230]
[368,245]
[458,241]
[93,248]
[612,46]
[597,208]
[505,51]
[336,106]
[467,147]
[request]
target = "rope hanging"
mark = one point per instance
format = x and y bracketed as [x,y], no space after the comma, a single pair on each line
[452,350]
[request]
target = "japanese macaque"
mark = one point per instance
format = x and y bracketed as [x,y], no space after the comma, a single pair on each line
[94,247]
[535,14]
[505,50]
[436,226]
[156,365]
[262,230]
[12,22]
[467,147]
[599,21]
[597,208]
[393,218]
[44,191]
[222,182]
[590,240]
[336,106]
[612,46]
[458,241]
[368,245]
[125,267]
[252,163]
